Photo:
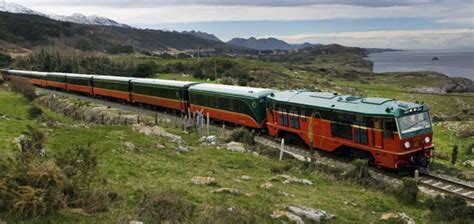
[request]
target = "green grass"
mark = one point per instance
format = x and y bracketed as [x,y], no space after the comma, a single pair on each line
[152,170]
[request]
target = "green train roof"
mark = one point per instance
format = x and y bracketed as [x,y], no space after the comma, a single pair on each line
[231,90]
[347,103]
[22,73]
[112,78]
[161,82]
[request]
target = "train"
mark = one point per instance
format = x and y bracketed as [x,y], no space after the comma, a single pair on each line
[389,133]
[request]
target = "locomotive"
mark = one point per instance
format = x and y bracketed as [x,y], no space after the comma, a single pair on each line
[390,133]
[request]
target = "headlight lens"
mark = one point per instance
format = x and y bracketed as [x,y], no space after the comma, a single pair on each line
[407,145]
[427,139]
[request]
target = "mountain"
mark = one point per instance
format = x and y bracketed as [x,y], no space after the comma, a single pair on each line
[266,44]
[74,18]
[28,31]
[202,35]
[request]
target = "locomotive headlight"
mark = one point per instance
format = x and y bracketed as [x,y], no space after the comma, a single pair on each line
[406,145]
[427,139]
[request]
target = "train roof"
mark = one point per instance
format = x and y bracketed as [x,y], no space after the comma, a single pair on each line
[231,90]
[162,82]
[112,78]
[353,104]
[73,75]
[21,72]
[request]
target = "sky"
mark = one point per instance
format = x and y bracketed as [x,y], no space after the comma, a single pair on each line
[401,24]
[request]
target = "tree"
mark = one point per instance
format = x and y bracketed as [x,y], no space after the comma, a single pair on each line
[5,60]
[454,156]
[145,70]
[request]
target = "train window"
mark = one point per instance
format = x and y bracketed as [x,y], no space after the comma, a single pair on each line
[283,118]
[294,121]
[389,127]
[341,130]
[360,135]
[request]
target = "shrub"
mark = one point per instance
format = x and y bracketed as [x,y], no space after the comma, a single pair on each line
[23,87]
[34,112]
[168,207]
[451,208]
[242,135]
[360,173]
[408,191]
[79,166]
[32,190]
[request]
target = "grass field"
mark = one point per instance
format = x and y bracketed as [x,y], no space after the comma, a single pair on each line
[151,170]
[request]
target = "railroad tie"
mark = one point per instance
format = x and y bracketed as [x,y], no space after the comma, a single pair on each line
[447,186]
[427,181]
[436,184]
[457,190]
[468,193]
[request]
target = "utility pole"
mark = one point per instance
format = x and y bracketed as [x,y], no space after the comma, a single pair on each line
[199,51]
[215,70]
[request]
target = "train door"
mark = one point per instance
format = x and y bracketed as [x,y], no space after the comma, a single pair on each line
[378,133]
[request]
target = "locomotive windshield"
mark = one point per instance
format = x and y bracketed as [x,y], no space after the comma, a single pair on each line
[414,122]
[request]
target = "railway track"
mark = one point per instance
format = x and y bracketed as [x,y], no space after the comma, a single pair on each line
[447,186]
[432,182]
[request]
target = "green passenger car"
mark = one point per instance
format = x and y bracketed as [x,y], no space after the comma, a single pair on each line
[236,104]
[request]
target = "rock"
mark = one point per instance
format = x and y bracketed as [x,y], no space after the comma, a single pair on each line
[130,146]
[208,140]
[182,148]
[290,216]
[236,147]
[266,185]
[135,222]
[226,190]
[289,179]
[468,163]
[160,146]
[397,218]
[22,142]
[245,177]
[198,180]
[316,215]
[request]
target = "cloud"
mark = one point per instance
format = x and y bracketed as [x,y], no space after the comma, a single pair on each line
[400,39]
[152,12]
[159,3]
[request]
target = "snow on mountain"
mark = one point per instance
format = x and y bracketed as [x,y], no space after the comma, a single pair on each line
[16,8]
[74,18]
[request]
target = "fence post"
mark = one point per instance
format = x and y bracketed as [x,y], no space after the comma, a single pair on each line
[208,124]
[417,175]
[138,119]
[282,147]
[102,119]
[156,118]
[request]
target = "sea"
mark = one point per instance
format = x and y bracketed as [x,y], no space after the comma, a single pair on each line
[454,63]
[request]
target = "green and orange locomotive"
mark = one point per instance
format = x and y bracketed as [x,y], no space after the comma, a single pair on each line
[390,133]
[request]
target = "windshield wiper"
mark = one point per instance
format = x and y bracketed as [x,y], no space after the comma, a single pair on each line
[413,125]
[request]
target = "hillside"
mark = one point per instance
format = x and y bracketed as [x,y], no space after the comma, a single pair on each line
[31,31]
[202,35]
[266,44]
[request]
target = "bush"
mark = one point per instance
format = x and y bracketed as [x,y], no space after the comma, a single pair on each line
[33,190]
[23,87]
[360,173]
[79,166]
[168,207]
[34,112]
[242,135]
[5,60]
[408,191]
[451,209]
[229,215]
